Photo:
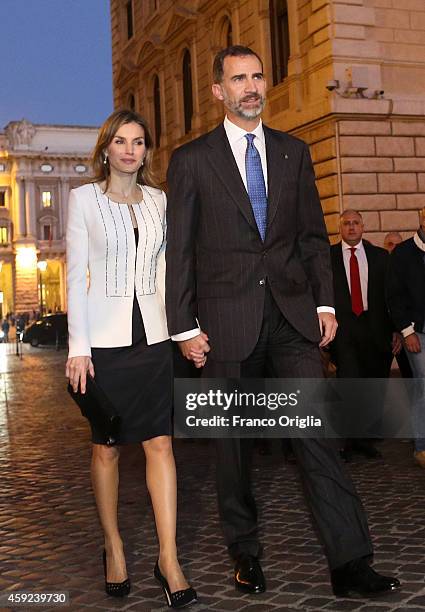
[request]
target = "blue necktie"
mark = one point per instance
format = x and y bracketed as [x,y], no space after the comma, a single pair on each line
[255,184]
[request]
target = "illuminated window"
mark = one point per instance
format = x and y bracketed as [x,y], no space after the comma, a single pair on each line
[2,167]
[2,198]
[129,11]
[4,238]
[46,198]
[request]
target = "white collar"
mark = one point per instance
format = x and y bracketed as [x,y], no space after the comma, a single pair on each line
[346,246]
[235,133]
[419,243]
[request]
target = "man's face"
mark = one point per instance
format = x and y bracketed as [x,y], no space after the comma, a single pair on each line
[243,88]
[351,227]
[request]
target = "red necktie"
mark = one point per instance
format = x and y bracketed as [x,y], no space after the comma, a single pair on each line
[356,288]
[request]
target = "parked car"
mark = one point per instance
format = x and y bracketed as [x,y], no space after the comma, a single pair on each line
[50,329]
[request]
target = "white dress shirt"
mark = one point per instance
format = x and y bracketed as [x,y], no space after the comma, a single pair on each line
[238,144]
[360,253]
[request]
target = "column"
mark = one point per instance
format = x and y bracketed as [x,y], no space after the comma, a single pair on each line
[30,209]
[20,209]
[62,277]
[63,206]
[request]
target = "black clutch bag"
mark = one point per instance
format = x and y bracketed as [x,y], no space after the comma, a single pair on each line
[98,409]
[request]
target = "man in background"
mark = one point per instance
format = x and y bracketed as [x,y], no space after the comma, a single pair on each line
[406,300]
[363,343]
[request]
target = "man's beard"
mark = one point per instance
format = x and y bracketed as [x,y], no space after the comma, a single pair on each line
[245,113]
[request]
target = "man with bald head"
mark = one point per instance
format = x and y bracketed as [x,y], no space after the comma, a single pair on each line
[363,343]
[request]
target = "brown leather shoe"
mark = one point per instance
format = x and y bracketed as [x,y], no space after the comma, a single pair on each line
[420,458]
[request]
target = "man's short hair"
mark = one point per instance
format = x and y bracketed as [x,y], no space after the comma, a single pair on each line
[233,51]
[350,210]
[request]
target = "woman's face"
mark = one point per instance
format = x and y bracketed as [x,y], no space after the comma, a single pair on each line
[127,149]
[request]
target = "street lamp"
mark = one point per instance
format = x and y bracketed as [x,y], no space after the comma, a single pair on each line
[42,266]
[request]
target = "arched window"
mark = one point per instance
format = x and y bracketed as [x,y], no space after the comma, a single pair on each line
[131,102]
[187,92]
[157,110]
[227,33]
[129,16]
[279,30]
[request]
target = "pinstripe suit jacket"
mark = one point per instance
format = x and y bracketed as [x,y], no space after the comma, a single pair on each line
[100,238]
[216,261]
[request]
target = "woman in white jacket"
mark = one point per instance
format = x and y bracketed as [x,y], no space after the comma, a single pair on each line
[118,334]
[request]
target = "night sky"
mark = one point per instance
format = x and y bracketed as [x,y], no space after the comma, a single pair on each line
[55,61]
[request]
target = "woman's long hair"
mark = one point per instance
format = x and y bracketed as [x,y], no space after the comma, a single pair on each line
[101,170]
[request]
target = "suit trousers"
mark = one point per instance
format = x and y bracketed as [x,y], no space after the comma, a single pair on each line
[282,352]
[356,354]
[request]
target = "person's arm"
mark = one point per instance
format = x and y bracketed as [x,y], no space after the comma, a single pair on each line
[79,356]
[312,237]
[313,248]
[182,220]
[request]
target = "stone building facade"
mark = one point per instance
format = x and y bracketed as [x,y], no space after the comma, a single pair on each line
[347,76]
[39,164]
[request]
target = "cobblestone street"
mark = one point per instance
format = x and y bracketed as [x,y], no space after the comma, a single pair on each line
[51,541]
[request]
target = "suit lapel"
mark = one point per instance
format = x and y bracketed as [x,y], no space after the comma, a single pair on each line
[276,172]
[223,162]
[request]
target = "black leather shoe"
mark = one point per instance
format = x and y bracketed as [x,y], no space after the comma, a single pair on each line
[115,589]
[178,599]
[249,577]
[360,578]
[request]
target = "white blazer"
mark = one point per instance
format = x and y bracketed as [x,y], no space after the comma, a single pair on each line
[100,238]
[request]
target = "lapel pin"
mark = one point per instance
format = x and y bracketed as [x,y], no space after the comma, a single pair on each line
[285,155]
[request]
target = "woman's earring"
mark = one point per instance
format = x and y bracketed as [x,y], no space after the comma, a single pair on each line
[143,161]
[105,159]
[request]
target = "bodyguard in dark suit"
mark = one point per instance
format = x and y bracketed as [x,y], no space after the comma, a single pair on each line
[248,261]
[363,343]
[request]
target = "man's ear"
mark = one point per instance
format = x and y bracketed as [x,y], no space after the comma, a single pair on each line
[217,91]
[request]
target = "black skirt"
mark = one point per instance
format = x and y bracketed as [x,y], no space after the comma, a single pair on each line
[138,379]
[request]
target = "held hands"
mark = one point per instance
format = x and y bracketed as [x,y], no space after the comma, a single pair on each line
[76,371]
[195,349]
[412,343]
[328,326]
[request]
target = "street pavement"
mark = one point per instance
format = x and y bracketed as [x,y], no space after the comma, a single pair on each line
[50,539]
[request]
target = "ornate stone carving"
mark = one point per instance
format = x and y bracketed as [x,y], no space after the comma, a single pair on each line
[20,133]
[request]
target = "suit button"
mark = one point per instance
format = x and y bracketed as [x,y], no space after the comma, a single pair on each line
[263,281]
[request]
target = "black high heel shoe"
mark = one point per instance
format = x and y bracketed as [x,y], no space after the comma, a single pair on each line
[115,589]
[178,599]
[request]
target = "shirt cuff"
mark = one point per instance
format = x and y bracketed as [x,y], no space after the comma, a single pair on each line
[408,331]
[326,309]
[187,335]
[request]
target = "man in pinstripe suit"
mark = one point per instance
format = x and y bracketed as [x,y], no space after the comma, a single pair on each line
[249,285]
